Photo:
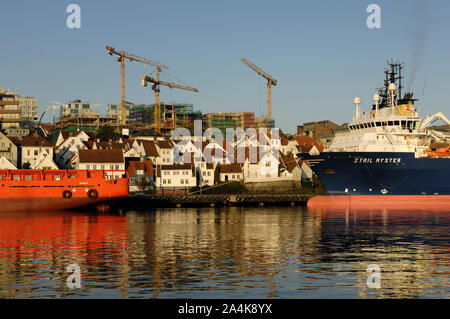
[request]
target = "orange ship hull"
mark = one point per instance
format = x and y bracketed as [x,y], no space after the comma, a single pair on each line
[51,190]
[404,202]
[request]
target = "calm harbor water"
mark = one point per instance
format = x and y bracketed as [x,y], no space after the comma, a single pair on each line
[231,252]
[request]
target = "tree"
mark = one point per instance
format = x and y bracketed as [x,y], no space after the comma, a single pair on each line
[143,183]
[26,165]
[106,133]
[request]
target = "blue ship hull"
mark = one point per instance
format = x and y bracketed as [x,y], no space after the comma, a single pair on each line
[380,173]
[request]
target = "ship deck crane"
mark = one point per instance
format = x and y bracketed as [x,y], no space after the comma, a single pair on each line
[270,81]
[155,87]
[121,58]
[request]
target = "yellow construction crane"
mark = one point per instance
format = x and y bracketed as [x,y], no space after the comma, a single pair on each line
[155,87]
[270,81]
[121,58]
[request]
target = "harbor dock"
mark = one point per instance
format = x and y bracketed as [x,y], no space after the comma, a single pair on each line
[150,200]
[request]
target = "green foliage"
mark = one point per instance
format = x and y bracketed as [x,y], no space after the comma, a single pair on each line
[313,186]
[106,133]
[143,183]
[26,165]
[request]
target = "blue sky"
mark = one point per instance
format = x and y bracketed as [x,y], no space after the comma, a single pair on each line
[321,52]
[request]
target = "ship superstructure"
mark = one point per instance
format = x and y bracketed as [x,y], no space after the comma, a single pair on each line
[392,125]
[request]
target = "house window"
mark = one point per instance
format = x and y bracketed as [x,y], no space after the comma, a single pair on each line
[209,173]
[35,152]
[182,181]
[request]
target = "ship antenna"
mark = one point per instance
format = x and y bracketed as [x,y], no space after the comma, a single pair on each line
[400,77]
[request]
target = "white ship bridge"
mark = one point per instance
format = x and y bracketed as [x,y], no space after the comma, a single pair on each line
[391,126]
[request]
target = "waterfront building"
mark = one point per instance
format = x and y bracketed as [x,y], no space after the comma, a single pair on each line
[260,164]
[140,173]
[10,149]
[100,159]
[206,174]
[67,146]
[231,172]
[32,146]
[176,176]
[6,164]
[43,161]
[165,151]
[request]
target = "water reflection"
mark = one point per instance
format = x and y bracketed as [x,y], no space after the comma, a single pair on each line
[282,252]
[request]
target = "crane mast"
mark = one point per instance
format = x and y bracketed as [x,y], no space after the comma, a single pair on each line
[122,55]
[270,81]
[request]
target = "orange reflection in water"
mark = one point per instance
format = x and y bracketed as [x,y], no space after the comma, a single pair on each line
[27,238]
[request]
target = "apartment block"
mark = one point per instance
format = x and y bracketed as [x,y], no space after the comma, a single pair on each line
[29,108]
[9,109]
[75,108]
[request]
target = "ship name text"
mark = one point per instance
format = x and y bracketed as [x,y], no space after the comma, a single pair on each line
[370,160]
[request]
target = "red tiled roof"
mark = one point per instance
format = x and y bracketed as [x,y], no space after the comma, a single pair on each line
[101,156]
[146,166]
[306,143]
[35,140]
[164,144]
[150,148]
[175,167]
[231,168]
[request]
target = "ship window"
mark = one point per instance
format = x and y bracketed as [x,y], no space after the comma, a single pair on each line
[378,123]
[17,177]
[404,125]
[28,177]
[390,123]
[365,125]
[57,178]
[396,122]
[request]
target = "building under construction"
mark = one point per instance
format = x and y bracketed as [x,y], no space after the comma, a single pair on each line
[243,120]
[88,121]
[173,115]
